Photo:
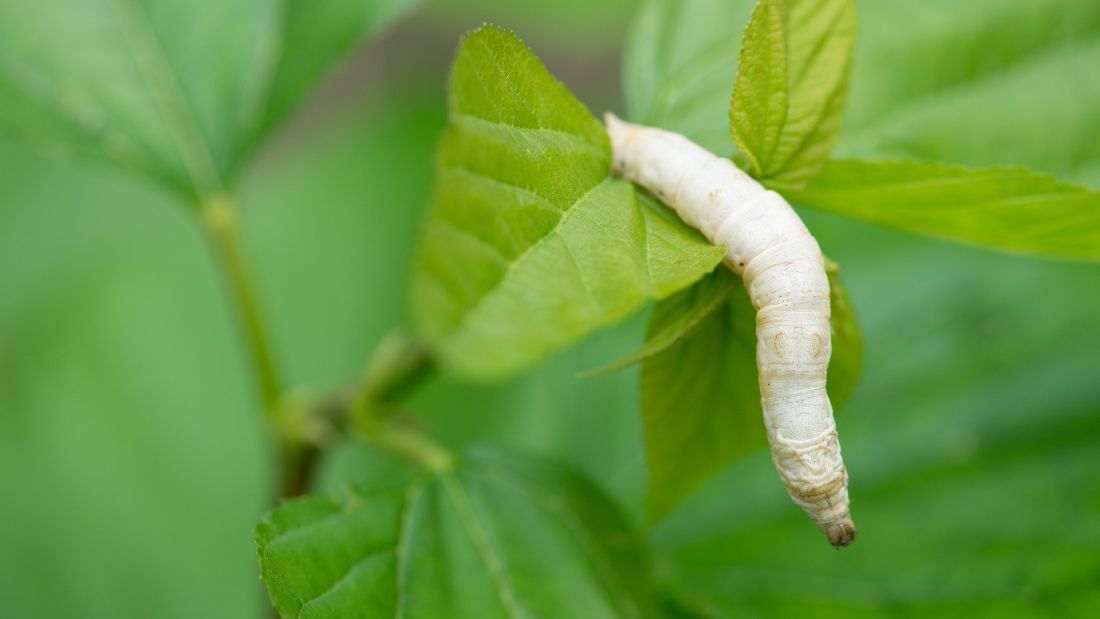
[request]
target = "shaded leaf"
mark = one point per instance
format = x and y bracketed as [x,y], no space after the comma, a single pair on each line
[677,317]
[1005,208]
[846,364]
[179,92]
[698,403]
[316,35]
[529,244]
[791,87]
[118,356]
[678,55]
[497,537]
[1000,83]
[701,396]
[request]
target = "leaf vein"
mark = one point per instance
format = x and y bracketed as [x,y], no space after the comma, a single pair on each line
[169,95]
[493,562]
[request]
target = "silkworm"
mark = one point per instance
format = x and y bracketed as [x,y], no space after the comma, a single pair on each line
[784,273]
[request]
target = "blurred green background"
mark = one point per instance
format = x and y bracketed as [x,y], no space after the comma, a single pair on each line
[133,463]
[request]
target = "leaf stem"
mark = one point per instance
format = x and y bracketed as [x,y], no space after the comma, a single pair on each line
[411,444]
[219,215]
[297,456]
[371,407]
[396,368]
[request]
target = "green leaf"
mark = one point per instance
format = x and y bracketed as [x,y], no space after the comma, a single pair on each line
[529,244]
[758,109]
[791,86]
[1000,84]
[679,54]
[496,537]
[178,92]
[677,317]
[316,35]
[846,364]
[972,447]
[698,403]
[701,396]
[1005,208]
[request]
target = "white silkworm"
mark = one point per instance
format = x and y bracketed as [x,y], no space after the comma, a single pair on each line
[784,273]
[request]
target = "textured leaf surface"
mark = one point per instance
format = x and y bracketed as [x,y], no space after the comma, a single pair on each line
[791,87]
[529,244]
[1006,208]
[177,91]
[701,396]
[497,537]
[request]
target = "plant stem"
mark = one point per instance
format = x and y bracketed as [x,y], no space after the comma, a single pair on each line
[298,461]
[219,215]
[412,445]
[397,367]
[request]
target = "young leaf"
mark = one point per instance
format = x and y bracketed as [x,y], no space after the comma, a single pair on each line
[791,86]
[179,92]
[758,110]
[529,244]
[678,63]
[701,396]
[1005,208]
[497,537]
[677,317]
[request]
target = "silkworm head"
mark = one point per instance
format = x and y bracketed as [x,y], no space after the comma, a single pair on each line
[841,533]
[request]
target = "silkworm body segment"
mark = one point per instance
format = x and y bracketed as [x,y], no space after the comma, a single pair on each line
[784,273]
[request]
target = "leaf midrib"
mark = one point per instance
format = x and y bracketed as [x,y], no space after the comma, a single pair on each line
[570,519]
[359,563]
[461,118]
[966,175]
[401,550]
[477,534]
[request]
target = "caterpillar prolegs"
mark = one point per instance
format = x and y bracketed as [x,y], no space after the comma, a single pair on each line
[784,273]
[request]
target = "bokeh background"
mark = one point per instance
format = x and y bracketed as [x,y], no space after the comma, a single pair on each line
[133,462]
